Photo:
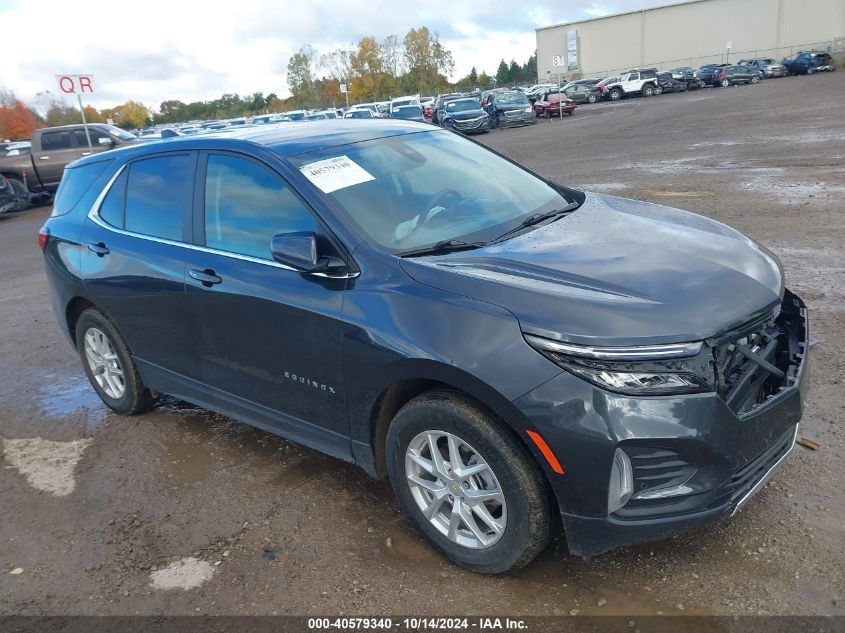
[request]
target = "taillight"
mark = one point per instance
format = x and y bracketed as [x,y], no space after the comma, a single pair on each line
[43,236]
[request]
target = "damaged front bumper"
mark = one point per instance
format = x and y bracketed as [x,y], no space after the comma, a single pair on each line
[695,458]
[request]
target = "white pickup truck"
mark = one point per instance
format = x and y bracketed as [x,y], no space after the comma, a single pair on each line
[634,82]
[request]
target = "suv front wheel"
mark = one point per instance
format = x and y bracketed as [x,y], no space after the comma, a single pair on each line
[615,94]
[466,484]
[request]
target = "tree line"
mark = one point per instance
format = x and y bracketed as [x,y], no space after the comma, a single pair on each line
[371,69]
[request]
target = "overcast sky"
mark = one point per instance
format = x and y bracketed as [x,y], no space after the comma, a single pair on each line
[152,50]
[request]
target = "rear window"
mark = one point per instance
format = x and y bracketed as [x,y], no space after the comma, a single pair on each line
[158,195]
[76,181]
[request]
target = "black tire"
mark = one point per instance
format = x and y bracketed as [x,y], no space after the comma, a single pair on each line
[22,195]
[615,94]
[658,90]
[136,398]
[591,98]
[648,90]
[755,79]
[527,530]
[725,82]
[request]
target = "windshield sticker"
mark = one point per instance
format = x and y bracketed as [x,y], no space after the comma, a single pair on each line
[335,173]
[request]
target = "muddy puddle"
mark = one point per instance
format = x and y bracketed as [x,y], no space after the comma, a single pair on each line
[61,398]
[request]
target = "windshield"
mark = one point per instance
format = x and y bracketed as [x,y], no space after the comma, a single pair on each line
[463,105]
[359,114]
[512,97]
[406,192]
[407,112]
[123,135]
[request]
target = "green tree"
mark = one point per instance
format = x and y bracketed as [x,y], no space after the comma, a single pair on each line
[484,80]
[502,75]
[473,77]
[371,79]
[514,72]
[337,63]
[529,70]
[301,76]
[428,62]
[132,115]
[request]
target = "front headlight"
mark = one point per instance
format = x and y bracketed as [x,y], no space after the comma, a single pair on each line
[641,370]
[527,110]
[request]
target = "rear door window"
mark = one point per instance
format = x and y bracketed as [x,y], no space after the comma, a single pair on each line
[52,141]
[246,204]
[159,191]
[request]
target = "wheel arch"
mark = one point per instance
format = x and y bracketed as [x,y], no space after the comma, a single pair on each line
[428,376]
[75,307]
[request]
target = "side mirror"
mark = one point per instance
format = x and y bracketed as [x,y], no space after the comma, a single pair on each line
[299,251]
[105,141]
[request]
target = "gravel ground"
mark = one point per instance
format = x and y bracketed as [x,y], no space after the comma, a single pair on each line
[182,511]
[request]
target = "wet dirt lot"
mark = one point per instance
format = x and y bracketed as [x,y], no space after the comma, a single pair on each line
[182,511]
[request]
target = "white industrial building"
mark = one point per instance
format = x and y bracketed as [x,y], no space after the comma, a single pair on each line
[689,34]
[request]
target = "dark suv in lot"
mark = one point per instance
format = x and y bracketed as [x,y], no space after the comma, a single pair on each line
[504,348]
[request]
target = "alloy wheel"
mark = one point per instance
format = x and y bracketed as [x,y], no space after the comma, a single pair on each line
[103,363]
[455,489]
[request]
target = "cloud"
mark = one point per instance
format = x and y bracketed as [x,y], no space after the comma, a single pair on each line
[161,49]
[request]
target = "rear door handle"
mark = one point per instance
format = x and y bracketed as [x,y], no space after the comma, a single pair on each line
[43,158]
[206,277]
[100,249]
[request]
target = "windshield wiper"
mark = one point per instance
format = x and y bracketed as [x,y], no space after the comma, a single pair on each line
[443,246]
[536,218]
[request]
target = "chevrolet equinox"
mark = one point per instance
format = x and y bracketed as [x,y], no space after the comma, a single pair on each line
[520,358]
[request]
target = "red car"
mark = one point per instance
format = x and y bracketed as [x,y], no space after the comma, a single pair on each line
[549,105]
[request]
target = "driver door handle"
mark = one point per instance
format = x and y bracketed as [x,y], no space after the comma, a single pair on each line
[206,277]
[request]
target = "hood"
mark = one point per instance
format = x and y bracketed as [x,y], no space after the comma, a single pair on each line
[464,114]
[617,272]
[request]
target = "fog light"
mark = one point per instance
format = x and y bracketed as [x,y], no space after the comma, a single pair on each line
[621,481]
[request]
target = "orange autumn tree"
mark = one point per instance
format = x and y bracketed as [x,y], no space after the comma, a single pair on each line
[17,121]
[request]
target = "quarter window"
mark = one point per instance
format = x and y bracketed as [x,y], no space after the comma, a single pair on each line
[246,204]
[111,211]
[158,195]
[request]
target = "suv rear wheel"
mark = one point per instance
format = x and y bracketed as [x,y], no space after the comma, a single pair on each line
[466,484]
[725,82]
[109,366]
[648,90]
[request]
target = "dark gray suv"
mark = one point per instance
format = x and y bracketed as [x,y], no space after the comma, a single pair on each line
[508,350]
